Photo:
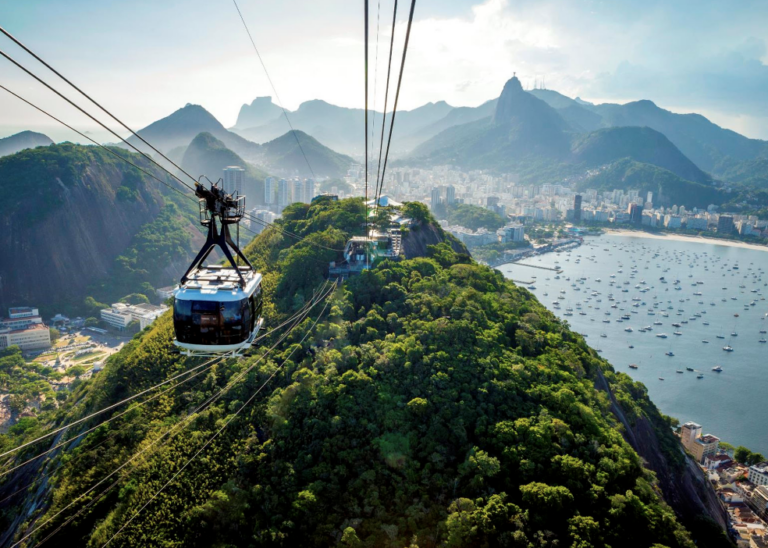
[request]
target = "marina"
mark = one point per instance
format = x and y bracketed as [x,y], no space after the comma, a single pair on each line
[651,308]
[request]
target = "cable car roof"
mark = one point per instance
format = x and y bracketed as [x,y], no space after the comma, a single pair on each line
[217,283]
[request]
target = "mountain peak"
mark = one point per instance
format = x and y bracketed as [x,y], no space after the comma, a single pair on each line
[512,85]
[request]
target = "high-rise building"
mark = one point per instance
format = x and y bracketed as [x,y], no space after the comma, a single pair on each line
[635,213]
[725,224]
[435,197]
[234,176]
[650,197]
[450,194]
[577,208]
[309,190]
[270,189]
[298,190]
[283,193]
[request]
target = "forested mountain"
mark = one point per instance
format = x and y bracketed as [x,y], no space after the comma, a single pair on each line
[529,136]
[641,144]
[284,156]
[667,187]
[208,156]
[23,140]
[178,130]
[71,213]
[434,404]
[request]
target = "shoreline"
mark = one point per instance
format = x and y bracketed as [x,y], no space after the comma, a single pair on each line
[669,236]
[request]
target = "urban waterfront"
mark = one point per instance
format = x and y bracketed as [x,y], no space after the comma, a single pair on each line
[621,292]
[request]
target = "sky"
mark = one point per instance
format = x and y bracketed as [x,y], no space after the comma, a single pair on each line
[146,58]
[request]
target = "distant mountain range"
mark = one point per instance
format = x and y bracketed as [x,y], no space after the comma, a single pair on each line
[711,148]
[21,141]
[281,156]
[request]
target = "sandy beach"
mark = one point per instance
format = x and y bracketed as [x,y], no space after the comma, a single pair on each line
[683,238]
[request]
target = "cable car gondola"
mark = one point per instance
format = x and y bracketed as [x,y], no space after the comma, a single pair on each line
[217,309]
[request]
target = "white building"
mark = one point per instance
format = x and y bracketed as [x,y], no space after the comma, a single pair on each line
[24,328]
[309,190]
[511,233]
[270,189]
[283,194]
[672,221]
[696,223]
[234,177]
[298,190]
[121,314]
[758,473]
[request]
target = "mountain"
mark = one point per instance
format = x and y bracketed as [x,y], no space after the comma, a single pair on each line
[641,144]
[342,128]
[702,141]
[179,128]
[455,117]
[530,137]
[70,214]
[208,156]
[284,156]
[21,141]
[668,188]
[261,111]
[430,403]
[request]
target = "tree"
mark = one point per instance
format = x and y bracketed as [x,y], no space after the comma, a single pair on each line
[742,454]
[91,322]
[76,371]
[727,447]
[55,334]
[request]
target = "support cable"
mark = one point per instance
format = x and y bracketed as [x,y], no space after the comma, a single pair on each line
[115,118]
[386,96]
[224,426]
[274,89]
[397,96]
[178,426]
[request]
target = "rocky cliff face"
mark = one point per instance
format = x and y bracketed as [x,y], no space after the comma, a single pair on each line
[685,488]
[422,235]
[69,223]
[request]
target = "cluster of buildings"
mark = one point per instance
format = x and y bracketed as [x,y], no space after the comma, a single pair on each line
[120,315]
[513,232]
[24,328]
[742,489]
[443,186]
[280,193]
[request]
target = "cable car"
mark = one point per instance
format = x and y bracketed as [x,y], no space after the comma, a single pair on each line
[217,309]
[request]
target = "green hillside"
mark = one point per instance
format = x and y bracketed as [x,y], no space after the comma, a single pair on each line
[435,404]
[207,155]
[641,144]
[72,214]
[285,155]
[668,188]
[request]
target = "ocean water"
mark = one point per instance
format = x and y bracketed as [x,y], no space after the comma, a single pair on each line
[724,287]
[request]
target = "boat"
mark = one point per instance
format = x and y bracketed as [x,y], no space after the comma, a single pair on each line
[717,368]
[628,329]
[632,366]
[705,341]
[689,368]
[661,378]
[670,353]
[677,333]
[661,335]
[720,336]
[679,371]
[728,348]
[700,376]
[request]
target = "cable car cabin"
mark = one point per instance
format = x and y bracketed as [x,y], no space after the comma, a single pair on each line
[215,314]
